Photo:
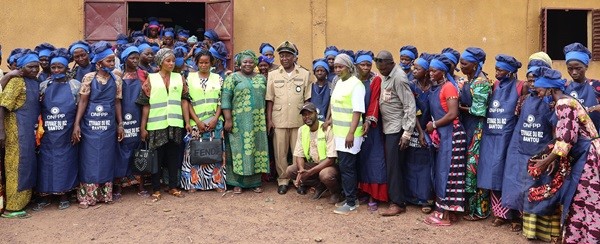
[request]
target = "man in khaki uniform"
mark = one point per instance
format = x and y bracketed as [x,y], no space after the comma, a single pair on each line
[288,87]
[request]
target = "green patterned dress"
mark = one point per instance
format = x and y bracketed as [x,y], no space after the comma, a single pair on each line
[246,144]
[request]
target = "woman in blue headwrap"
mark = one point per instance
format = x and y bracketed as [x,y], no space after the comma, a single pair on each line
[587,91]
[132,79]
[495,138]
[146,58]
[407,56]
[58,157]
[180,65]
[264,65]
[420,155]
[152,30]
[572,162]
[450,160]
[473,105]
[329,54]
[220,53]
[98,127]
[321,89]
[266,51]
[533,131]
[19,111]
[80,52]
[43,51]
[168,39]
[206,121]
[183,35]
[12,60]
[454,57]
[211,36]
[372,172]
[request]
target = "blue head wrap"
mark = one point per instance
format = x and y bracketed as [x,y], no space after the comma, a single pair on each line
[102,50]
[143,47]
[474,55]
[349,53]
[577,51]
[451,54]
[322,63]
[508,63]
[266,47]
[212,35]
[424,60]
[219,51]
[548,78]
[331,51]
[79,44]
[362,56]
[533,69]
[44,49]
[155,47]
[180,53]
[61,56]
[122,39]
[137,34]
[128,51]
[441,62]
[169,32]
[410,51]
[537,63]
[265,59]
[13,55]
[27,56]
[183,33]
[153,22]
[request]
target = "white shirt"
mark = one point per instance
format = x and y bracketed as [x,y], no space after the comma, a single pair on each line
[358,105]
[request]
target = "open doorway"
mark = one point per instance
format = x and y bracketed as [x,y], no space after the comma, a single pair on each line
[189,16]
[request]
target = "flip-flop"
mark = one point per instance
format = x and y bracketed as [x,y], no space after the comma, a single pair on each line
[16,215]
[372,206]
[257,190]
[64,205]
[426,209]
[143,194]
[41,205]
[237,190]
[434,221]
[498,222]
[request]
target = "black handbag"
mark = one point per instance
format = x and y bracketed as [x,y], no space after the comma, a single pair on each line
[206,151]
[144,160]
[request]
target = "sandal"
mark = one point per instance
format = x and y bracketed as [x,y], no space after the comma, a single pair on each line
[257,190]
[64,205]
[469,217]
[426,209]
[372,206]
[83,205]
[434,221]
[40,205]
[176,193]
[143,194]
[156,196]
[498,222]
[237,190]
[516,227]
[15,215]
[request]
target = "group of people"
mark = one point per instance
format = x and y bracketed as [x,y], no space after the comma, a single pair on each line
[417,132]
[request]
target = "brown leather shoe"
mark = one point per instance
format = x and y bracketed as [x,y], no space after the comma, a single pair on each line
[393,210]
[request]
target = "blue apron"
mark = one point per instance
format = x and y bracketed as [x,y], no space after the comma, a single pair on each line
[132,116]
[533,131]
[99,134]
[372,157]
[586,95]
[497,132]
[443,158]
[82,71]
[58,158]
[579,152]
[468,120]
[27,119]
[419,160]
[320,97]
[43,76]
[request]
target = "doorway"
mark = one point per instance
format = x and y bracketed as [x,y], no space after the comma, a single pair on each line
[178,15]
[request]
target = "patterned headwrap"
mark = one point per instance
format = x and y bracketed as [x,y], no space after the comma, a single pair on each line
[162,54]
[246,54]
[347,61]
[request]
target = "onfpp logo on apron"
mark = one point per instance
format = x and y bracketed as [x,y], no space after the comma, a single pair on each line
[530,119]
[99,108]
[496,104]
[54,110]
[574,94]
[128,116]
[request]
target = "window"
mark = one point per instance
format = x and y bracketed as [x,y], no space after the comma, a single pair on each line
[560,27]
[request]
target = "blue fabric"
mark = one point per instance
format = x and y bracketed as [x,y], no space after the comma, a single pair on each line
[362,58]
[27,117]
[331,51]
[79,45]
[27,58]
[322,64]
[218,56]
[423,63]
[131,122]
[143,47]
[121,42]
[266,49]
[469,57]
[179,62]
[451,57]
[266,59]
[437,64]
[537,63]
[61,60]
[451,54]
[102,55]
[497,132]
[155,48]
[169,34]
[532,69]
[44,53]
[586,95]
[212,35]
[407,53]
[544,82]
[506,66]
[58,157]
[321,96]
[578,56]
[128,51]
[184,33]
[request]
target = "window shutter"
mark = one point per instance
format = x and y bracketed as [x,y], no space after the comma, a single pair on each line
[596,34]
[104,20]
[543,30]
[219,16]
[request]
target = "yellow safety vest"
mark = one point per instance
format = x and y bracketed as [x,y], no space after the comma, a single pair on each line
[341,107]
[321,143]
[165,107]
[204,101]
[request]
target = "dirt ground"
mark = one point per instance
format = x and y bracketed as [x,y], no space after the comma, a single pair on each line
[211,217]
